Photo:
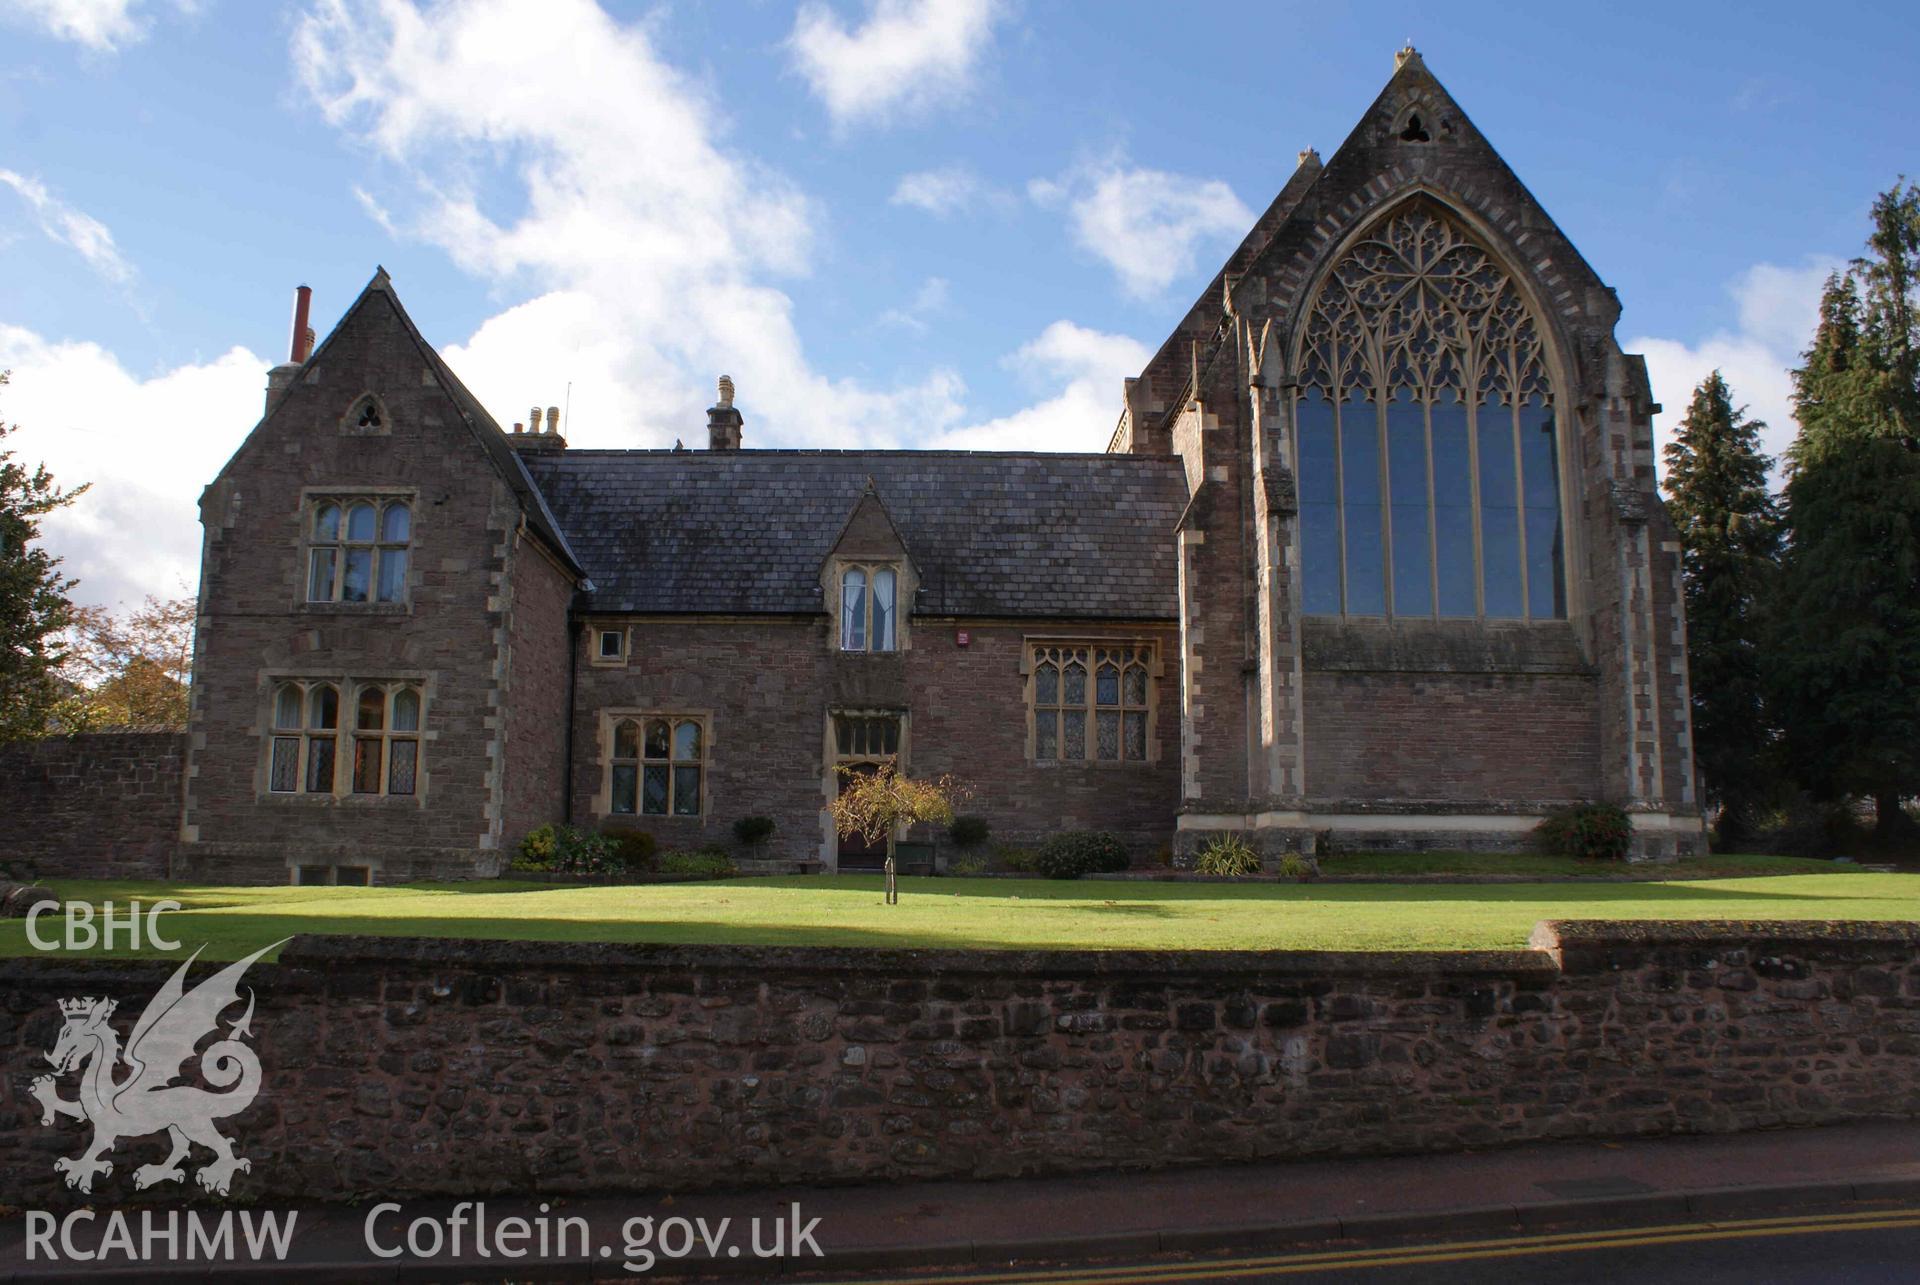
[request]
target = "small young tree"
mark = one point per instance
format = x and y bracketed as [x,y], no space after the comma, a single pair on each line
[876,804]
[33,596]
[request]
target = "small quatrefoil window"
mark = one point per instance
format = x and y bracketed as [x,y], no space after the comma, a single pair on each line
[369,421]
[1415,132]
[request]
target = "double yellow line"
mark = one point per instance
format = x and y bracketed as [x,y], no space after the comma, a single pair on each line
[1418,1255]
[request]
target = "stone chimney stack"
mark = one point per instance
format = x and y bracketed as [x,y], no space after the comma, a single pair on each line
[531,439]
[723,421]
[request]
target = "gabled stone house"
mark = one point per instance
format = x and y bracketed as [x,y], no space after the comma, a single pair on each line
[1375,557]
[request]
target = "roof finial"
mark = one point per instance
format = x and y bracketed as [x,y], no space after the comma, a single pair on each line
[1408,55]
[1309,157]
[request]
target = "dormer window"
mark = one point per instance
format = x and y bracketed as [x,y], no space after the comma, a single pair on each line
[869,608]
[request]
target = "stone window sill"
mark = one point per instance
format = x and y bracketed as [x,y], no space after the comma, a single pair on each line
[356,608]
[340,800]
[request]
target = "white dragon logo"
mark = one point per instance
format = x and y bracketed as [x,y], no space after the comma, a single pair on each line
[147,1100]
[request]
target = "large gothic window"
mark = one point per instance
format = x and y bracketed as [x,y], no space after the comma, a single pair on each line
[1428,465]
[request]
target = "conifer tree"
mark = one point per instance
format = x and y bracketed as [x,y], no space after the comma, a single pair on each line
[1716,482]
[1846,639]
[33,596]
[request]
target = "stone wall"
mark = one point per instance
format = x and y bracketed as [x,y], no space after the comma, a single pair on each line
[409,1067]
[105,805]
[1415,737]
[477,587]
[766,690]
[537,662]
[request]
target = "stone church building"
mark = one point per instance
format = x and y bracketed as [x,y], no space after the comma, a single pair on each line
[1374,559]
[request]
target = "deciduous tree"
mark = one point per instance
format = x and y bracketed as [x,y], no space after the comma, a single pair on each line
[131,669]
[877,803]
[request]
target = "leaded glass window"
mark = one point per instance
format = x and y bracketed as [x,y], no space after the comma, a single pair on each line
[1090,702]
[386,739]
[304,740]
[1425,431]
[658,766]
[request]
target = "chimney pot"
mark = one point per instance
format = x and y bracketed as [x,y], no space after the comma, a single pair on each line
[723,421]
[538,440]
[302,344]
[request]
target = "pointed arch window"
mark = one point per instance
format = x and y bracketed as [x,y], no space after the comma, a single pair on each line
[1426,434]
[658,766]
[385,729]
[1090,702]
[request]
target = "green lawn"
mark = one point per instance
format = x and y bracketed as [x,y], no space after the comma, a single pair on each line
[995,913]
[1714,866]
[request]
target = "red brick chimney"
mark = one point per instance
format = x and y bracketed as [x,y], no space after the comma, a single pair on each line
[280,378]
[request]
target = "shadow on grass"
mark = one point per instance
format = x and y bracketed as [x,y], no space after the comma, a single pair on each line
[232,937]
[1089,893]
[845,911]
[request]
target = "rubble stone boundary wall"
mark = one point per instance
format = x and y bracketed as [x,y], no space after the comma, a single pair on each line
[101,805]
[409,1067]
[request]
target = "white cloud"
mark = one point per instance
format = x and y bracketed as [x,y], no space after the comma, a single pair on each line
[1088,367]
[1147,225]
[929,299]
[947,190]
[100,25]
[649,249]
[148,446]
[1776,309]
[644,252]
[907,54]
[81,232]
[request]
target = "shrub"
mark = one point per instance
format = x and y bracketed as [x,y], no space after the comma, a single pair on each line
[1228,855]
[566,850]
[1295,866]
[968,866]
[1073,853]
[1591,831]
[538,848]
[1017,860]
[968,831]
[753,831]
[633,850]
[706,863]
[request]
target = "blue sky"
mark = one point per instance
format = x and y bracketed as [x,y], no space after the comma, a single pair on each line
[894,222]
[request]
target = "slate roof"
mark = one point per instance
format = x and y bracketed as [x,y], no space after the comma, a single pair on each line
[990,534]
